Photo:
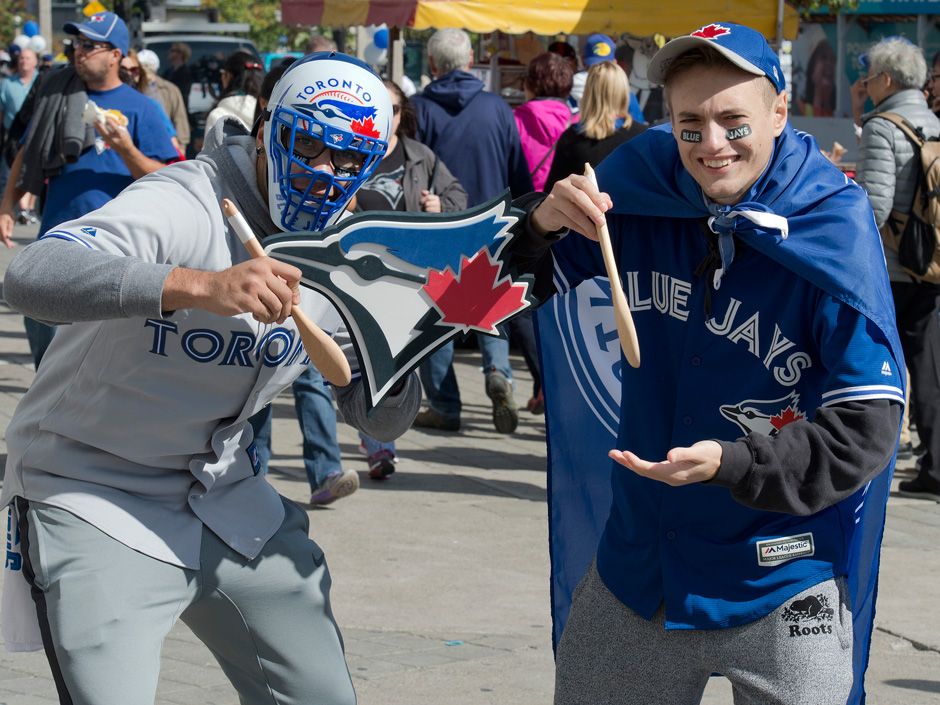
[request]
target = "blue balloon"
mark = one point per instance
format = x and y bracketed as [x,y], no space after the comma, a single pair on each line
[30,28]
[380,38]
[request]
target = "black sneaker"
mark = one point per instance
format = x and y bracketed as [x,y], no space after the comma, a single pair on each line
[505,411]
[381,464]
[920,487]
[905,451]
[433,419]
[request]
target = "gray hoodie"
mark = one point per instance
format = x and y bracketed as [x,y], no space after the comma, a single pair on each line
[137,418]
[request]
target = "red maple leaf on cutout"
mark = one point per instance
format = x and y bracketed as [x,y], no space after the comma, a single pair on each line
[788,415]
[710,31]
[365,128]
[475,298]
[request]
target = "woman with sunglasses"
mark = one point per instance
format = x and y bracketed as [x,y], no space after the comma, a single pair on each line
[133,75]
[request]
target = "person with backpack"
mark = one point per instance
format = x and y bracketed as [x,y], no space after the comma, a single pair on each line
[890,169]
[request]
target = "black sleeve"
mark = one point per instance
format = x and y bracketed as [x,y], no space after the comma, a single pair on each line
[529,252]
[561,161]
[810,466]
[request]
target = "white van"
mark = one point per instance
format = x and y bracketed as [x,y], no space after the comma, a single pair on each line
[209,51]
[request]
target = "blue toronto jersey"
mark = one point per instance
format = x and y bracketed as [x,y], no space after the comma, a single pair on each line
[774,349]
[803,318]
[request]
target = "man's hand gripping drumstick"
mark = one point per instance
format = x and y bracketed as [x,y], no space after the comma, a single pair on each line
[321,348]
[576,203]
[626,331]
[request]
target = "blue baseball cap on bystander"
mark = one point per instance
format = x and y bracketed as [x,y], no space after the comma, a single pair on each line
[597,49]
[102,27]
[742,46]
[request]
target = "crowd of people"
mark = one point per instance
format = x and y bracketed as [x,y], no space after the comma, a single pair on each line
[705,199]
[454,146]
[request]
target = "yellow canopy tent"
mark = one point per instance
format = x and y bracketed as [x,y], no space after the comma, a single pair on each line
[545,17]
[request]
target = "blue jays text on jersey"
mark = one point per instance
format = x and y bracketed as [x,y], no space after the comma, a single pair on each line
[669,295]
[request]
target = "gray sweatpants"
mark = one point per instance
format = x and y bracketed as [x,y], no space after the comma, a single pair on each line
[800,654]
[105,609]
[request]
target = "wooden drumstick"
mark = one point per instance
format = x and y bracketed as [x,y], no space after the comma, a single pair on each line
[321,348]
[626,331]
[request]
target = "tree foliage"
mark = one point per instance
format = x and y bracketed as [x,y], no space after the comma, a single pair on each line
[10,9]
[264,16]
[834,6]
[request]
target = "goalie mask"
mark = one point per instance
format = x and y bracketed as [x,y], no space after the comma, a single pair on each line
[327,129]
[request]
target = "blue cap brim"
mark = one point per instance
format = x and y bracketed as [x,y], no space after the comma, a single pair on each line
[656,71]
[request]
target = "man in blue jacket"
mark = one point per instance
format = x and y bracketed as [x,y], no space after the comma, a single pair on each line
[474,134]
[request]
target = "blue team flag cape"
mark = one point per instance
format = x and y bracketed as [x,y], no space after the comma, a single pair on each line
[830,239]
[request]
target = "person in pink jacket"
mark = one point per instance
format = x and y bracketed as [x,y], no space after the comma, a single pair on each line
[545,114]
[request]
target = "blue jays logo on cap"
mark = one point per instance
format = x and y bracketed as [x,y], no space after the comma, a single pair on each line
[102,27]
[710,31]
[742,46]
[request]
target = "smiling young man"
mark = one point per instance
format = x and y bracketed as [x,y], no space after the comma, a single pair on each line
[757,437]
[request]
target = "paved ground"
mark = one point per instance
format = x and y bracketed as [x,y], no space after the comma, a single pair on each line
[441,573]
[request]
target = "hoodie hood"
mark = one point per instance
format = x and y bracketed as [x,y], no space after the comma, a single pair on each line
[453,91]
[231,149]
[542,120]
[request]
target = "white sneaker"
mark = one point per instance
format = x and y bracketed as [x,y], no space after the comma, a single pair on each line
[337,485]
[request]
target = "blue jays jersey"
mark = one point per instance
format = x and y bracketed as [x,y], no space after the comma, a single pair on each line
[773,349]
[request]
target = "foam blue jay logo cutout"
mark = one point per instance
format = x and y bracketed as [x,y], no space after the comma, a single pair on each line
[406,283]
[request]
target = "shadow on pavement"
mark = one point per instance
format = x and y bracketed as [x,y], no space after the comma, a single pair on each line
[450,483]
[915,684]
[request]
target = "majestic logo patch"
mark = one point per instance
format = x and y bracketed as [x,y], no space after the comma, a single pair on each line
[886,369]
[809,616]
[773,552]
[764,416]
[711,31]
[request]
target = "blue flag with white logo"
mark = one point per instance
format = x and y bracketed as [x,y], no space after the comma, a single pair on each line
[645,177]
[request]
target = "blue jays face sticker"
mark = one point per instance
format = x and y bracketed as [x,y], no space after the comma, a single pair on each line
[690,136]
[736,133]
